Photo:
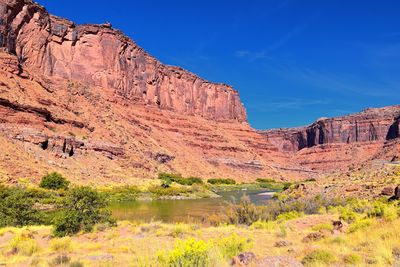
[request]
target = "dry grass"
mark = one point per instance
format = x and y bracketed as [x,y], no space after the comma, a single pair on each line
[132,244]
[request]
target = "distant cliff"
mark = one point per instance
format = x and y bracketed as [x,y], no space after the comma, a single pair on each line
[51,48]
[375,124]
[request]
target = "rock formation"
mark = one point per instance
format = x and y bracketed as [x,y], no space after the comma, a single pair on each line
[340,142]
[51,48]
[375,124]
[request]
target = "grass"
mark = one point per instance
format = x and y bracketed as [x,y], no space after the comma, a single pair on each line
[154,244]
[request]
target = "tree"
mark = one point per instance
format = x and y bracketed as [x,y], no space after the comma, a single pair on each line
[83,208]
[17,208]
[54,181]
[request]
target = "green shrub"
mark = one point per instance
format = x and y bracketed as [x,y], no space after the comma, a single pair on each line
[232,246]
[265,225]
[83,208]
[390,213]
[24,245]
[318,256]
[290,215]
[359,224]
[245,212]
[17,208]
[188,253]
[221,181]
[352,259]
[263,180]
[54,181]
[167,178]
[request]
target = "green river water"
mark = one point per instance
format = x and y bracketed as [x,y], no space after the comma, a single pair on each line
[191,210]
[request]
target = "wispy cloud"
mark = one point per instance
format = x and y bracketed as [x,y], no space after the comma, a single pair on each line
[287,103]
[337,82]
[265,53]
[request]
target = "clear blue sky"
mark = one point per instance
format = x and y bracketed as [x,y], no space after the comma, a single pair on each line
[292,61]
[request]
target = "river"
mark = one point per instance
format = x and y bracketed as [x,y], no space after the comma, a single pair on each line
[190,210]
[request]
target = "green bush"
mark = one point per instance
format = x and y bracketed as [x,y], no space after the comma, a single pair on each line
[359,224]
[245,212]
[83,208]
[231,246]
[263,180]
[17,208]
[290,215]
[54,181]
[221,181]
[188,253]
[167,178]
[318,256]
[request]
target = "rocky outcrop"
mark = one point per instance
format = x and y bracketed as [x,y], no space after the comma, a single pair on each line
[375,124]
[54,49]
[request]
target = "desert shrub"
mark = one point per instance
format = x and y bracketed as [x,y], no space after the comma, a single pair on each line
[124,193]
[390,213]
[160,191]
[61,259]
[168,178]
[232,245]
[216,181]
[83,208]
[348,214]
[290,215]
[76,264]
[265,225]
[188,181]
[61,244]
[187,253]
[23,244]
[17,208]
[263,180]
[245,212]
[359,224]
[318,256]
[54,181]
[352,259]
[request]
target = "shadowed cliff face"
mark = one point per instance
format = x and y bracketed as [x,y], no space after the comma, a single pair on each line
[371,125]
[51,48]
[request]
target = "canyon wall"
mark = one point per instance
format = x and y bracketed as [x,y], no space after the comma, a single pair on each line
[375,124]
[51,48]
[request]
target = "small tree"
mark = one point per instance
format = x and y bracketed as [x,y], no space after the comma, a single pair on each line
[54,181]
[17,208]
[83,208]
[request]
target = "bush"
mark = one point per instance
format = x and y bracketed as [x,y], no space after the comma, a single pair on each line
[17,208]
[167,178]
[221,181]
[83,208]
[352,259]
[262,180]
[318,257]
[232,246]
[24,245]
[188,253]
[54,181]
[359,224]
[290,215]
[245,212]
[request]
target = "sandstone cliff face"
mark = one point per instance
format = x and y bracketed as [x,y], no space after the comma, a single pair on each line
[51,48]
[377,124]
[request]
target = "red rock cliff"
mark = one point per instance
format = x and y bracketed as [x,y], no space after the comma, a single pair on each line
[51,48]
[375,124]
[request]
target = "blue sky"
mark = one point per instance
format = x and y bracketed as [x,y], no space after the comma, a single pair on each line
[292,61]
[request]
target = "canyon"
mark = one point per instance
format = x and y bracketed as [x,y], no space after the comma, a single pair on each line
[87,101]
